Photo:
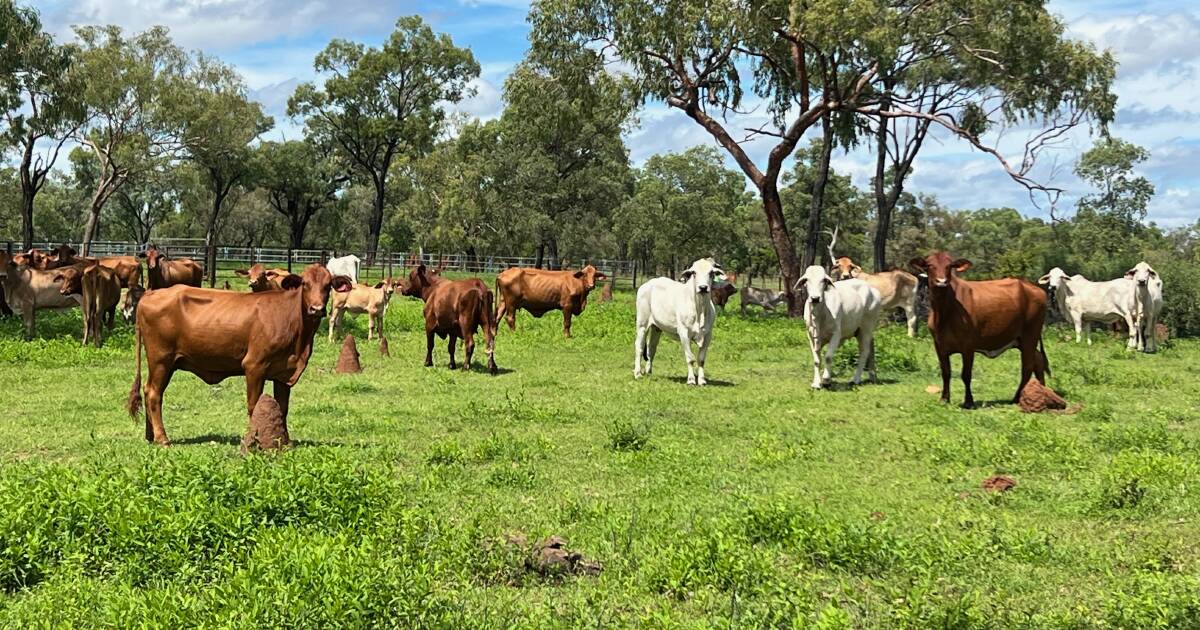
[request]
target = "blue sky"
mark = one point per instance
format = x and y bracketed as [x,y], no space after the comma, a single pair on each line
[273,42]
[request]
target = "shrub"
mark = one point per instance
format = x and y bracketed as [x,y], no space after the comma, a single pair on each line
[625,435]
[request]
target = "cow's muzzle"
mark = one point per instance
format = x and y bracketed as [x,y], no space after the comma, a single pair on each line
[1141,283]
[702,289]
[317,311]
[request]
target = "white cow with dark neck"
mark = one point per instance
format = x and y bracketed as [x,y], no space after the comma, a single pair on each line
[683,310]
[835,311]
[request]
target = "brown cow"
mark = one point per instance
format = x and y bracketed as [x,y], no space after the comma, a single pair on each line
[721,294]
[988,317]
[162,273]
[217,334]
[540,291]
[897,288]
[29,290]
[454,308]
[128,268]
[100,290]
[263,279]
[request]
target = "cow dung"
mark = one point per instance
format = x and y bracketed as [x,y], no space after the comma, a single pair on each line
[348,360]
[999,483]
[1036,398]
[268,428]
[551,558]
[383,346]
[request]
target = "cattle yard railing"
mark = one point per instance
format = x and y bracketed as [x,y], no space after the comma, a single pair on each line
[384,263]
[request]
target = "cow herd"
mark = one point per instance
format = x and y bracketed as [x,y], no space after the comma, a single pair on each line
[267,334]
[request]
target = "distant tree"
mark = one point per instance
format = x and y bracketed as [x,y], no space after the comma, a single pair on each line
[144,202]
[126,127]
[38,100]
[818,200]
[1107,223]
[300,178]
[378,104]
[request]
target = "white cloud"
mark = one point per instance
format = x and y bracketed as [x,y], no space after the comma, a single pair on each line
[1146,42]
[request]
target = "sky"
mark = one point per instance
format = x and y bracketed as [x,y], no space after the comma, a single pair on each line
[273,43]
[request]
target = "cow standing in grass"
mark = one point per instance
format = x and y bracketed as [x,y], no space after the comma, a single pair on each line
[835,311]
[454,308]
[540,291]
[987,316]
[363,299]
[1149,300]
[897,288]
[1082,302]
[162,272]
[682,310]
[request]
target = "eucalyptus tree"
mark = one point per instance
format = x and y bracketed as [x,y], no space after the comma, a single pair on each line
[797,63]
[38,100]
[380,104]
[300,178]
[126,126]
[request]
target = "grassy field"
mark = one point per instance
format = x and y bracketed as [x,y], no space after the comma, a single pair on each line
[753,502]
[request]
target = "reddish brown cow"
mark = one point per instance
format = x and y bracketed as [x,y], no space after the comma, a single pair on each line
[261,278]
[127,268]
[540,291]
[218,334]
[454,308]
[720,295]
[987,316]
[99,289]
[162,273]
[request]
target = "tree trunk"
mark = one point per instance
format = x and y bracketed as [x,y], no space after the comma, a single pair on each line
[376,224]
[555,261]
[785,249]
[541,255]
[92,228]
[27,216]
[298,223]
[813,236]
[883,209]
[210,238]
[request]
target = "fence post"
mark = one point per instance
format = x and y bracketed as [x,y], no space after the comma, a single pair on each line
[389,264]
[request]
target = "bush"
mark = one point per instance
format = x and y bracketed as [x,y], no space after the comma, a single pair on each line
[625,435]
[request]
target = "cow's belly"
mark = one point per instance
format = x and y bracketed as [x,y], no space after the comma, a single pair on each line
[992,353]
[1102,317]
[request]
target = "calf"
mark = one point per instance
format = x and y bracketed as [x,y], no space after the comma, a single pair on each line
[162,273]
[454,308]
[834,312]
[344,266]
[29,290]
[100,290]
[683,310]
[363,299]
[130,303]
[988,317]
[1148,301]
[767,299]
[897,288]
[722,293]
[1082,302]
[540,291]
[127,269]
[218,334]
[263,279]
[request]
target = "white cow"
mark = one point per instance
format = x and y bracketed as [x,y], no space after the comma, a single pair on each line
[1149,288]
[344,266]
[835,311]
[1083,302]
[683,310]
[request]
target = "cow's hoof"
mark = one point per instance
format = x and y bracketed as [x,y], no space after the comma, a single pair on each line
[637,375]
[816,387]
[691,381]
[968,405]
[701,382]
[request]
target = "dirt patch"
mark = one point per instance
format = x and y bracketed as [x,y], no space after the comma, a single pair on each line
[1036,398]
[999,483]
[348,360]
[1162,334]
[268,428]
[933,389]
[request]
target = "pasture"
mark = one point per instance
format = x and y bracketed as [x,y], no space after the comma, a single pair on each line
[751,502]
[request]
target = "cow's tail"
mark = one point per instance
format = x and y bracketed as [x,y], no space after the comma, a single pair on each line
[1042,352]
[134,404]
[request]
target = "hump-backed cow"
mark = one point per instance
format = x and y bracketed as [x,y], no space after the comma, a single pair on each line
[1082,302]
[1149,301]
[986,316]
[217,334]
[897,288]
[682,310]
[162,272]
[29,290]
[454,308]
[540,291]
[835,311]
[345,266]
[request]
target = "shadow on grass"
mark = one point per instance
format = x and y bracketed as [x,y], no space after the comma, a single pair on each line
[711,383]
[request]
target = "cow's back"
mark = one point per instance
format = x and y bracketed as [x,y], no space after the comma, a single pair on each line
[535,289]
[895,287]
[988,314]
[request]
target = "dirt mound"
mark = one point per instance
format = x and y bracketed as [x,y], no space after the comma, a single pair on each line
[383,347]
[550,557]
[348,360]
[268,428]
[606,293]
[1162,334]
[999,483]
[1036,398]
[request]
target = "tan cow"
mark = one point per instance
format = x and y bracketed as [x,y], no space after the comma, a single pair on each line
[897,288]
[99,289]
[262,279]
[540,291]
[29,290]
[363,299]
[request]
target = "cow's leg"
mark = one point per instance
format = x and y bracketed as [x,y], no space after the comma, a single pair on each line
[944,365]
[567,321]
[1078,322]
[639,343]
[468,347]
[429,348]
[652,348]
[1087,331]
[283,395]
[1151,337]
[1031,362]
[1129,323]
[968,363]
[688,357]
[370,326]
[702,345]
[27,314]
[910,312]
[864,356]
[450,345]
[333,317]
[814,344]
[830,351]
[158,376]
[254,389]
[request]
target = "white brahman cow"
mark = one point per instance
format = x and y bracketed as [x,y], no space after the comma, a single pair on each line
[344,266]
[835,311]
[1149,291]
[1082,302]
[683,310]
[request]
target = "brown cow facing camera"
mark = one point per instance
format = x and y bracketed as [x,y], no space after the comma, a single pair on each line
[986,316]
[162,272]
[217,334]
[262,279]
[100,291]
[540,291]
[454,308]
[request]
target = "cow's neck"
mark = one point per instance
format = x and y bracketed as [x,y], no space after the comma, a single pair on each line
[954,291]
[703,306]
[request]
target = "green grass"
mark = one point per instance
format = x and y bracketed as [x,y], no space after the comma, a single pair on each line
[753,502]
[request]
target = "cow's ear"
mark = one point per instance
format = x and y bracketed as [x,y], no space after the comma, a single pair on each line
[379,285]
[291,281]
[961,265]
[1129,274]
[687,275]
[58,278]
[1044,279]
[600,275]
[919,263]
[342,284]
[578,274]
[242,272]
